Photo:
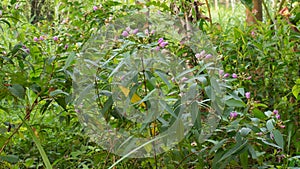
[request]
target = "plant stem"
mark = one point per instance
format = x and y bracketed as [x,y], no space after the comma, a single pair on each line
[209,13]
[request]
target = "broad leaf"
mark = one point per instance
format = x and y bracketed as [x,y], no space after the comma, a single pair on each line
[278,138]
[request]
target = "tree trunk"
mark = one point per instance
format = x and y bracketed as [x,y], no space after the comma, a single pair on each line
[227,4]
[216,5]
[233,5]
[254,15]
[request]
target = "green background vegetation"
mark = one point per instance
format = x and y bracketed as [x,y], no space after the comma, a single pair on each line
[39,125]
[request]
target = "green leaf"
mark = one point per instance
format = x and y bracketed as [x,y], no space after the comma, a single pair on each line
[163,77]
[247,3]
[179,129]
[17,90]
[245,131]
[268,143]
[217,146]
[39,147]
[9,158]
[244,159]
[234,150]
[235,103]
[258,114]
[296,90]
[278,138]
[270,125]
[268,113]
[260,105]
[62,102]
[252,152]
[69,60]
[56,92]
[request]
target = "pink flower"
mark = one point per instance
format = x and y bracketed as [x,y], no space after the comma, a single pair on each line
[66,46]
[55,38]
[26,49]
[184,79]
[275,112]
[152,32]
[233,115]
[282,126]
[160,40]
[234,75]
[221,72]
[259,134]
[198,56]
[157,48]
[41,38]
[128,29]
[173,80]
[125,33]
[95,8]
[272,136]
[277,116]
[146,32]
[163,44]
[226,75]
[208,56]
[247,94]
[135,31]
[36,39]
[17,6]
[249,77]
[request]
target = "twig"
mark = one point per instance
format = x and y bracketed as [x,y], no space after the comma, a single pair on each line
[209,13]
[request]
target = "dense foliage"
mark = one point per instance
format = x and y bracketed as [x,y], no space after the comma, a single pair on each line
[40,126]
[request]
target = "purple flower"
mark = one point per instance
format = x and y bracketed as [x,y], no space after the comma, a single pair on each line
[226,75]
[135,31]
[125,33]
[36,39]
[95,8]
[275,112]
[233,114]
[234,75]
[163,44]
[198,56]
[160,40]
[184,79]
[247,94]
[128,29]
[173,80]
[17,6]
[202,53]
[41,38]
[55,38]
[146,32]
[152,32]
[259,134]
[26,49]
[249,77]
[272,136]
[208,56]
[277,116]
[282,126]
[157,48]
[221,72]
[66,46]
[253,33]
